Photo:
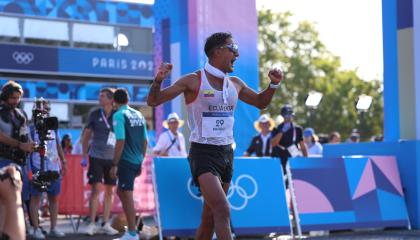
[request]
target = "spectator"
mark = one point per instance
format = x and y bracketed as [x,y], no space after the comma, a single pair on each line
[130,149]
[171,142]
[66,144]
[99,135]
[260,144]
[54,154]
[334,138]
[287,138]
[312,142]
[378,138]
[354,136]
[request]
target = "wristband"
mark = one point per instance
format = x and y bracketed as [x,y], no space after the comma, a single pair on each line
[274,86]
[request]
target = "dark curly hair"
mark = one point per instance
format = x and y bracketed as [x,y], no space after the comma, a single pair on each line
[216,40]
[121,96]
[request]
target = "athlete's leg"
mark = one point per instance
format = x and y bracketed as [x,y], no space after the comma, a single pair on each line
[218,207]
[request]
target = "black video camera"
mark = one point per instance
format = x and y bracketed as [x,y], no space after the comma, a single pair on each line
[42,121]
[42,180]
[43,124]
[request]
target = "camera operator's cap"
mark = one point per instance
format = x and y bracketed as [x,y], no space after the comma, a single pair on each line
[263,119]
[308,132]
[287,111]
[173,117]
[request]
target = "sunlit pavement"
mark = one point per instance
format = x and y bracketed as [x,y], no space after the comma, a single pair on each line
[65,225]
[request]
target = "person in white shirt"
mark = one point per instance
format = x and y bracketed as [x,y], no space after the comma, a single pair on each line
[312,142]
[171,142]
[260,144]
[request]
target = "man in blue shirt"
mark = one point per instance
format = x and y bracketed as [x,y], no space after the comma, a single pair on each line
[130,148]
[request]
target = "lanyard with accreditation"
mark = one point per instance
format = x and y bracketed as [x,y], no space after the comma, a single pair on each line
[111,136]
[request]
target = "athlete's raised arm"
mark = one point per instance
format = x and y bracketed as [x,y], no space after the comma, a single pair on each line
[262,99]
[158,96]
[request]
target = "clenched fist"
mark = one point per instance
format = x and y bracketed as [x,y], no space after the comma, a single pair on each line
[163,72]
[275,75]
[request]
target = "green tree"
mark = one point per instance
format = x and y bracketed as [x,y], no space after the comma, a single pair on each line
[308,65]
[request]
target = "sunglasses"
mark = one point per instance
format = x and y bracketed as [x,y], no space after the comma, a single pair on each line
[232,47]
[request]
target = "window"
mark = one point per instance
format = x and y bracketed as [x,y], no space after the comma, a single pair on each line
[37,31]
[139,39]
[93,36]
[9,31]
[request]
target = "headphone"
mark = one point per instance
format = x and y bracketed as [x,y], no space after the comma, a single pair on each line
[8,90]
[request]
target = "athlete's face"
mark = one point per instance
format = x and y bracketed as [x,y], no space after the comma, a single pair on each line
[230,53]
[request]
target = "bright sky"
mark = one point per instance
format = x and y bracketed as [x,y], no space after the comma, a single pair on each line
[351,29]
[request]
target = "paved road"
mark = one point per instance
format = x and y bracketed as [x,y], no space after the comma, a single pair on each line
[64,224]
[371,235]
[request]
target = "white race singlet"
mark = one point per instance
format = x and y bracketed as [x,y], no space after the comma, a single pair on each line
[210,120]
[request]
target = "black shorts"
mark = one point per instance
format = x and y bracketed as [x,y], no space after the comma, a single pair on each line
[127,173]
[215,159]
[98,169]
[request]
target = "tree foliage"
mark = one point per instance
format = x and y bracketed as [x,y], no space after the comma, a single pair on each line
[308,65]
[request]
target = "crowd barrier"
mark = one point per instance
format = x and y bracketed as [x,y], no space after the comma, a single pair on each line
[256,197]
[75,190]
[327,193]
[348,192]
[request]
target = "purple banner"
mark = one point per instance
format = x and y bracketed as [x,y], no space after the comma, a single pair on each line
[348,192]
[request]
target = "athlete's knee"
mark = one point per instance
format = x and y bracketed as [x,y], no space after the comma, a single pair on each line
[221,209]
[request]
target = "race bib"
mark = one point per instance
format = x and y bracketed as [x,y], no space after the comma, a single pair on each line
[217,124]
[111,139]
[294,151]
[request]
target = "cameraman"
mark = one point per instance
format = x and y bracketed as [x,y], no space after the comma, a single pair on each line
[53,155]
[14,141]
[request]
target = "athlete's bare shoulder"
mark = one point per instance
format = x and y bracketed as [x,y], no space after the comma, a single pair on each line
[191,85]
[189,81]
[239,84]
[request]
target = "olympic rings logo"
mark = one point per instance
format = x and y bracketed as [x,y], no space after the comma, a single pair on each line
[236,191]
[23,57]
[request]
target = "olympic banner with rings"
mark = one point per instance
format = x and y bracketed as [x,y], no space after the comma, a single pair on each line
[19,57]
[256,196]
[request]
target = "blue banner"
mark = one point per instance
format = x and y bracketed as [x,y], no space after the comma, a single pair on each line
[256,196]
[77,91]
[23,58]
[123,64]
[348,192]
[77,62]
